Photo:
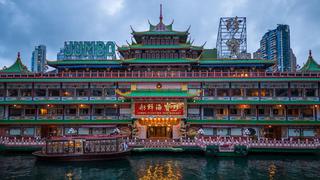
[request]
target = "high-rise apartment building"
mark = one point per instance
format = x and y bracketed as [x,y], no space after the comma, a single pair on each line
[275,45]
[38,59]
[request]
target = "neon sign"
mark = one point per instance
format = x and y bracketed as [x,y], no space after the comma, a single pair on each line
[160,108]
[87,50]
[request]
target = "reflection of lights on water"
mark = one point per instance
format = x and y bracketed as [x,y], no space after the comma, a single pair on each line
[272,171]
[161,171]
[69,175]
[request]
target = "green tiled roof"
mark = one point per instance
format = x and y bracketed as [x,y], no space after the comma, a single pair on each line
[159,61]
[181,33]
[235,79]
[172,46]
[159,93]
[254,122]
[209,54]
[83,62]
[275,102]
[17,67]
[125,121]
[63,102]
[311,65]
[235,61]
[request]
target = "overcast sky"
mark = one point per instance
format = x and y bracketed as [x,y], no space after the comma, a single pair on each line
[27,23]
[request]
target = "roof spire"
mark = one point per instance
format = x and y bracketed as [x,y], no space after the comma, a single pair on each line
[18,55]
[310,53]
[161,17]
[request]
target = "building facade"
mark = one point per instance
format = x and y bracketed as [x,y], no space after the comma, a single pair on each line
[275,45]
[164,87]
[38,59]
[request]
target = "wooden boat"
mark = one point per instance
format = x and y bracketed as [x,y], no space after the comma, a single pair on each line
[91,148]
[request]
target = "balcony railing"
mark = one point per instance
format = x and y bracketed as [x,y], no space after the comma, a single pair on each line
[163,74]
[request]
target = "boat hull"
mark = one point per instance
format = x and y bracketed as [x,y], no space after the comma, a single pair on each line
[81,157]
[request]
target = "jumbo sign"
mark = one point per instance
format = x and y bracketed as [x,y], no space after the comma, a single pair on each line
[159,109]
[89,49]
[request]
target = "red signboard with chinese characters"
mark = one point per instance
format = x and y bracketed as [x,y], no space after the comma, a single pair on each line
[159,109]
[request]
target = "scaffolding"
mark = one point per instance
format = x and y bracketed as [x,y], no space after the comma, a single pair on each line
[232,37]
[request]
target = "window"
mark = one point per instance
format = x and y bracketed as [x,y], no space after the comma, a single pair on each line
[281,92]
[70,131]
[53,92]
[56,111]
[84,111]
[110,92]
[2,93]
[310,92]
[308,132]
[236,92]
[13,92]
[261,112]
[267,92]
[208,112]
[248,112]
[26,92]
[30,112]
[234,111]
[98,131]
[296,92]
[293,112]
[68,92]
[111,112]
[28,131]
[15,131]
[40,92]
[71,111]
[278,112]
[220,111]
[98,112]
[82,92]
[209,92]
[252,92]
[15,112]
[96,92]
[223,131]
[208,131]
[222,92]
[43,111]
[294,132]
[307,112]
[236,132]
[83,131]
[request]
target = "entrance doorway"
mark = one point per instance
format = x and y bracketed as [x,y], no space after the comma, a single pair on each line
[48,131]
[159,132]
[272,132]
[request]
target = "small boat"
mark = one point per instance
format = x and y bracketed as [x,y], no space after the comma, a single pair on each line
[91,148]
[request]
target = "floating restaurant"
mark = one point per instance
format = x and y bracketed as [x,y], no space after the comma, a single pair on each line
[164,89]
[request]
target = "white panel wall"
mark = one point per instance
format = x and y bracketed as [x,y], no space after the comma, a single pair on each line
[125,111]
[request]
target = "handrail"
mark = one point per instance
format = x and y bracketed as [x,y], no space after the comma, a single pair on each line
[162,74]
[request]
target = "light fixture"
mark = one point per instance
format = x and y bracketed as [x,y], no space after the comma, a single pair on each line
[159,86]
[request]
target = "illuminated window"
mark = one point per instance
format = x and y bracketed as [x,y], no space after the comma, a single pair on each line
[43,111]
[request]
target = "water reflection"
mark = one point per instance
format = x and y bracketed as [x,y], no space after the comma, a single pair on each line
[155,166]
[159,170]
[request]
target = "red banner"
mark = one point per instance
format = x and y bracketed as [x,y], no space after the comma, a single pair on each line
[161,108]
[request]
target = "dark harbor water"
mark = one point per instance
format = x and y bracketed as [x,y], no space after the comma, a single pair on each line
[164,166]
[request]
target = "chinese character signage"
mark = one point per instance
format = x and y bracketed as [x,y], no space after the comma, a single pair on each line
[87,50]
[160,108]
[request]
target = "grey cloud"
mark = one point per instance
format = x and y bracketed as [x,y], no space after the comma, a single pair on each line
[24,24]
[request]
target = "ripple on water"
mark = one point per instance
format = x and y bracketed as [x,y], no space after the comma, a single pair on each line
[173,167]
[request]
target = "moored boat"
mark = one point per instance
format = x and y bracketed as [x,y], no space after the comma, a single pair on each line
[84,148]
